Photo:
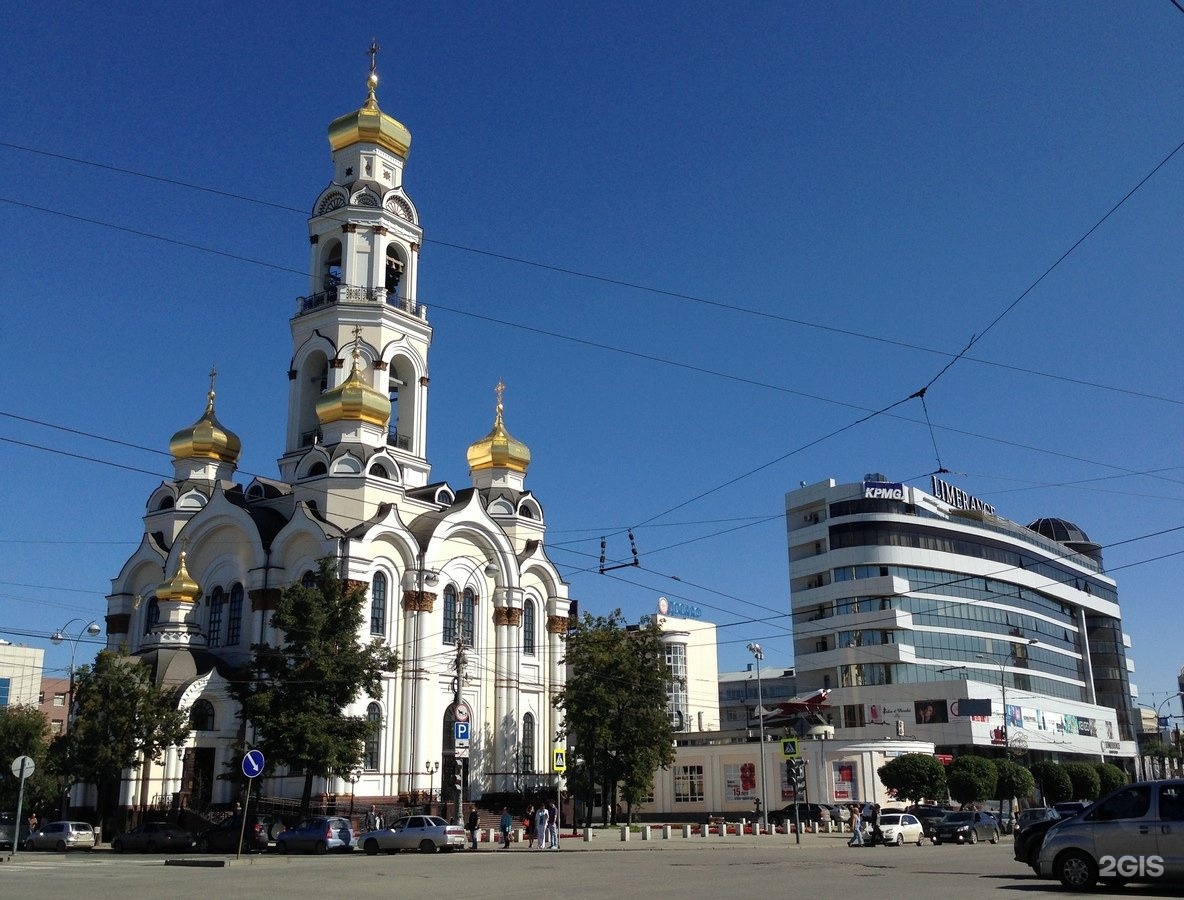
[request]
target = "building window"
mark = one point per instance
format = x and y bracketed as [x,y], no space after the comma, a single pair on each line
[378,604]
[55,727]
[5,687]
[308,580]
[201,716]
[688,784]
[676,688]
[528,627]
[214,632]
[234,623]
[528,743]
[450,614]
[470,617]
[59,699]
[373,737]
[151,614]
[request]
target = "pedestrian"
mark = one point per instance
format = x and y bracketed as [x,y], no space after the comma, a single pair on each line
[528,824]
[474,825]
[856,822]
[372,821]
[552,826]
[877,835]
[506,823]
[33,822]
[540,827]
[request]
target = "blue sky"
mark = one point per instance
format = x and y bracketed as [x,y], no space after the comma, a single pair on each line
[794,212]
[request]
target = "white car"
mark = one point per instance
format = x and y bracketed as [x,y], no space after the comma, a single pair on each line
[901,828]
[427,834]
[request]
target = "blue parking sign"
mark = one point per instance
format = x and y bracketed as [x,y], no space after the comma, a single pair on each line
[460,731]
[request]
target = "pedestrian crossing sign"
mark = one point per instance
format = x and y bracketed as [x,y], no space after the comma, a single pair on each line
[560,761]
[789,748]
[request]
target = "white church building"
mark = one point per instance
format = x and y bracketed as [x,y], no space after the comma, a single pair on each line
[440,563]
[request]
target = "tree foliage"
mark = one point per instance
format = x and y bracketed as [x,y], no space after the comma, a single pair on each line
[614,706]
[25,732]
[1084,777]
[971,779]
[1111,778]
[1053,781]
[1014,781]
[915,777]
[296,694]
[120,718]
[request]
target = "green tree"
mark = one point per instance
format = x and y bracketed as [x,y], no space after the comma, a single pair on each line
[1053,781]
[1084,777]
[1014,781]
[615,707]
[1111,778]
[295,694]
[25,732]
[972,778]
[121,718]
[915,777]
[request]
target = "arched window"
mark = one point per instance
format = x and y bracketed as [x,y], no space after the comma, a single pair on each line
[331,271]
[151,614]
[201,716]
[373,737]
[214,632]
[394,274]
[165,503]
[317,469]
[528,743]
[470,617]
[379,471]
[378,604]
[450,614]
[234,619]
[308,579]
[528,627]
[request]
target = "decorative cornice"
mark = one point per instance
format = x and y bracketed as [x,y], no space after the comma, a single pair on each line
[349,227]
[353,584]
[557,624]
[419,601]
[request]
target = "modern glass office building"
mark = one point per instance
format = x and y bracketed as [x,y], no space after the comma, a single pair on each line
[930,616]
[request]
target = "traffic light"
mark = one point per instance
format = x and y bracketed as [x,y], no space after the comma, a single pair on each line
[900,727]
[457,780]
[795,770]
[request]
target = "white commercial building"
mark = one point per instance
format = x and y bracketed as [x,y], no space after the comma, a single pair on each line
[20,674]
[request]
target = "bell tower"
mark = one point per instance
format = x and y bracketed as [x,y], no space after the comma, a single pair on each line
[364,237]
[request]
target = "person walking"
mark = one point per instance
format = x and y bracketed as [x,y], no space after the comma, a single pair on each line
[540,827]
[474,825]
[552,826]
[856,822]
[372,821]
[528,822]
[506,823]
[877,835]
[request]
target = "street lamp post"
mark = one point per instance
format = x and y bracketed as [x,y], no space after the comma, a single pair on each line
[430,769]
[755,650]
[1003,685]
[56,638]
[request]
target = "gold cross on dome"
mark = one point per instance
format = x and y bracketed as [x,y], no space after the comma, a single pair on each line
[500,390]
[373,53]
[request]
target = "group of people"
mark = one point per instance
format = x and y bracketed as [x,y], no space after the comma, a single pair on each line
[863,819]
[541,826]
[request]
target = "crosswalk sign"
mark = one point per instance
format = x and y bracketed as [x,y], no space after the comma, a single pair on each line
[789,748]
[560,764]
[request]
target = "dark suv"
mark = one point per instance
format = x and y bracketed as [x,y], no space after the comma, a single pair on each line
[224,838]
[966,827]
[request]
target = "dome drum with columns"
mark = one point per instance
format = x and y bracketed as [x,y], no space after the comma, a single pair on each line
[440,565]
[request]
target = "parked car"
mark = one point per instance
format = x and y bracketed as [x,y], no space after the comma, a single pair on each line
[7,830]
[929,816]
[966,827]
[1036,814]
[1028,840]
[318,834]
[1135,833]
[901,828]
[153,836]
[424,833]
[224,838]
[62,836]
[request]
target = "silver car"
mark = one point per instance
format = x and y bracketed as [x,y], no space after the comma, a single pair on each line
[62,836]
[424,833]
[1134,834]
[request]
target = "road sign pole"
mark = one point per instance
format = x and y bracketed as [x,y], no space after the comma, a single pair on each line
[22,767]
[242,826]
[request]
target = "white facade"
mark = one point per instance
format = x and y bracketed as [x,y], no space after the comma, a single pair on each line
[20,674]
[437,562]
[908,604]
[693,704]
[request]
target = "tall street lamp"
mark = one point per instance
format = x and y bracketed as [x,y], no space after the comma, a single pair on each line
[430,769]
[57,637]
[1013,655]
[755,650]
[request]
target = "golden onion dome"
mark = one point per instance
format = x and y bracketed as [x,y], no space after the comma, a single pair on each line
[354,400]
[498,450]
[370,125]
[181,587]
[207,438]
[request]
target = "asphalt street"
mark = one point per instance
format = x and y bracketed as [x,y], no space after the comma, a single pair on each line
[693,868]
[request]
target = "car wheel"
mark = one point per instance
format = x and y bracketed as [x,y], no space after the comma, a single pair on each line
[973,838]
[321,847]
[117,845]
[61,847]
[371,847]
[1076,870]
[937,842]
[921,839]
[900,839]
[994,837]
[281,847]
[426,846]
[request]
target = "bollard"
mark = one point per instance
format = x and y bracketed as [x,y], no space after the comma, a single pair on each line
[625,833]
[686,831]
[645,832]
[665,832]
[519,834]
[587,835]
[705,830]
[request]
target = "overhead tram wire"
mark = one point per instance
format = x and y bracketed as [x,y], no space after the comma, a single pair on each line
[615,282]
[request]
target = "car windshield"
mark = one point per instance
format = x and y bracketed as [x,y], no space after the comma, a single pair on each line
[959,817]
[889,820]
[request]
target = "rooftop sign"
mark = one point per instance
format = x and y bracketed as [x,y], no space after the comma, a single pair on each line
[958,498]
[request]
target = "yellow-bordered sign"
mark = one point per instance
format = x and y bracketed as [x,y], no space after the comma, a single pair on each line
[560,762]
[789,748]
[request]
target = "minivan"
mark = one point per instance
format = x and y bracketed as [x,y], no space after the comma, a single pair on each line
[1135,833]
